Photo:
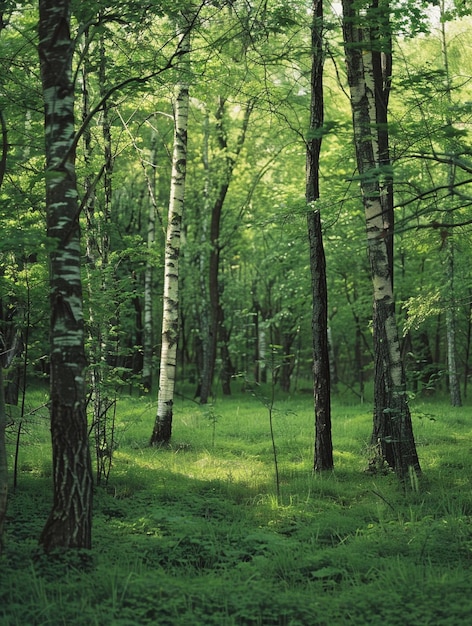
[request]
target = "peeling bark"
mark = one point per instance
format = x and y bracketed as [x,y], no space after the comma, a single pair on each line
[392,431]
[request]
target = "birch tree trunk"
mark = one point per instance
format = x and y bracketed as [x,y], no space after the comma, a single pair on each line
[319,325]
[70,522]
[392,432]
[448,241]
[452,370]
[170,319]
[148,325]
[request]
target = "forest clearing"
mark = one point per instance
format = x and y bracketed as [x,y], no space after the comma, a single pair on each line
[235,312]
[195,533]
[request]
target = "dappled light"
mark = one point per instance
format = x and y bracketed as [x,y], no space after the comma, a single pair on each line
[235,313]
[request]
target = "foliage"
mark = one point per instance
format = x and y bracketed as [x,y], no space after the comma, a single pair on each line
[194,533]
[243,52]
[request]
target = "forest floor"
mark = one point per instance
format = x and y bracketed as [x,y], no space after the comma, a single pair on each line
[195,534]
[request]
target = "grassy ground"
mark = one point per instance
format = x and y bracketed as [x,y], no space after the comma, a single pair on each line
[195,535]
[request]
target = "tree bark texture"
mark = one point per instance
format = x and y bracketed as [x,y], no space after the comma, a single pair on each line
[3,414]
[98,250]
[3,459]
[319,322]
[162,431]
[392,431]
[210,335]
[148,329]
[70,522]
[448,241]
[452,369]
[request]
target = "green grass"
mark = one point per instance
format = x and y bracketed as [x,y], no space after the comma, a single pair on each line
[195,535]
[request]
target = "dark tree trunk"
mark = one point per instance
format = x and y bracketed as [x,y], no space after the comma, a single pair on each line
[227,369]
[3,459]
[321,371]
[70,522]
[210,334]
[288,361]
[210,337]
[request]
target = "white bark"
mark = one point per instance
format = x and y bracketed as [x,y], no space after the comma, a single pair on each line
[170,320]
[148,325]
[454,386]
[392,420]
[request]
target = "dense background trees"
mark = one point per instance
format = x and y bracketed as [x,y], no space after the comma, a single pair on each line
[245,309]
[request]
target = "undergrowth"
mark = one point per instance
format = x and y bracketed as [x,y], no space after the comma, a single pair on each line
[196,533]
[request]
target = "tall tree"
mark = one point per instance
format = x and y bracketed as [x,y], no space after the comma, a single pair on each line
[448,241]
[70,522]
[148,326]
[3,414]
[321,370]
[170,320]
[363,38]
[229,155]
[3,458]
[97,237]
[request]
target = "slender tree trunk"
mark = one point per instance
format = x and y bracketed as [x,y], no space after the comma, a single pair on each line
[319,325]
[203,303]
[467,344]
[452,369]
[214,260]
[288,359]
[227,369]
[262,347]
[103,404]
[170,319]
[70,522]
[3,459]
[392,432]
[97,253]
[3,413]
[148,325]
[448,242]
[210,336]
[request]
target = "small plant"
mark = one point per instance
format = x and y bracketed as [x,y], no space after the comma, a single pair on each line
[269,403]
[212,417]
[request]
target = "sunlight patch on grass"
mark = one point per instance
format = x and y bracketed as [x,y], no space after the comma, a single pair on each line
[194,533]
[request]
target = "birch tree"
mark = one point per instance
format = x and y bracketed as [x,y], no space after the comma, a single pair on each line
[70,522]
[448,241]
[148,326]
[363,41]
[170,320]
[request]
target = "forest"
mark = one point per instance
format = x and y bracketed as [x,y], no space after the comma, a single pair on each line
[235,312]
